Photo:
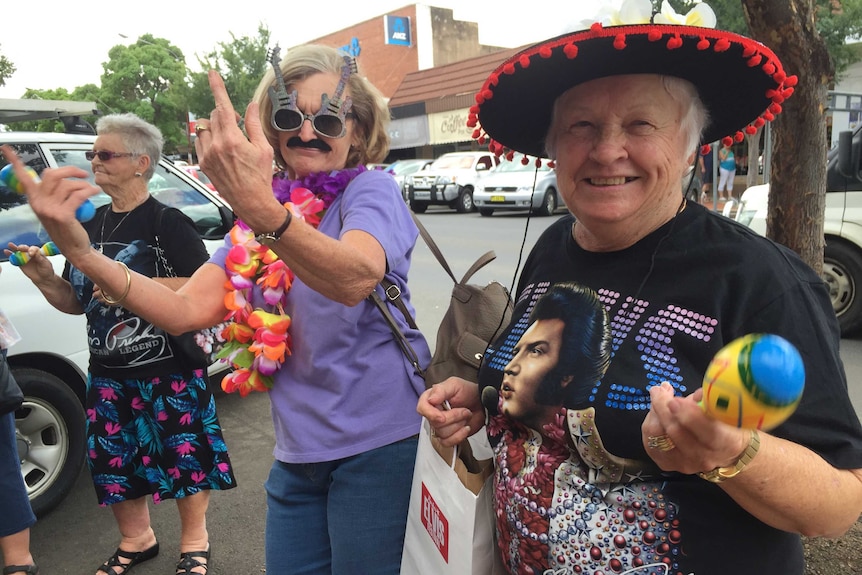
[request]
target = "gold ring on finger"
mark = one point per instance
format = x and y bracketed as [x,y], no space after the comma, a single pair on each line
[660,442]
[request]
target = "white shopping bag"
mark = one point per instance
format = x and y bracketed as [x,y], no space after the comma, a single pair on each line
[450,528]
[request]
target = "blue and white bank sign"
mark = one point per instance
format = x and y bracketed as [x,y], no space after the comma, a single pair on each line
[398,30]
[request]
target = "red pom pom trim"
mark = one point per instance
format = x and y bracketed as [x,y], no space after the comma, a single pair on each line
[571,51]
[620,41]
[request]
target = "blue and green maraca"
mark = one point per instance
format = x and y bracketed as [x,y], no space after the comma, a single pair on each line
[21,258]
[9,178]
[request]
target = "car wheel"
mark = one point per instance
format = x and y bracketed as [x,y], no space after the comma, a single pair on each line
[50,430]
[465,201]
[842,272]
[486,211]
[549,203]
[419,207]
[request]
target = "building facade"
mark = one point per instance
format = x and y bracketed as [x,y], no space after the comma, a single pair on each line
[429,65]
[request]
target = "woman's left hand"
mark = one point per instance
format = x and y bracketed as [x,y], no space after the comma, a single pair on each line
[240,167]
[679,436]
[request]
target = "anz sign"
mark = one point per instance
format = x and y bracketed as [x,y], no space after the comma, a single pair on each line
[398,30]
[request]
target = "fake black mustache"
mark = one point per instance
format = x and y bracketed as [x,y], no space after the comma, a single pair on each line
[297,142]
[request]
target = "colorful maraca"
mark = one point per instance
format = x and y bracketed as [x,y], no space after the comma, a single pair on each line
[21,258]
[755,381]
[8,178]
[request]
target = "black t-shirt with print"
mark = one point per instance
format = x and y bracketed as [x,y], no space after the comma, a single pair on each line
[700,282]
[123,345]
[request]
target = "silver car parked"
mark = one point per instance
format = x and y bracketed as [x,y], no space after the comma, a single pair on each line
[515,185]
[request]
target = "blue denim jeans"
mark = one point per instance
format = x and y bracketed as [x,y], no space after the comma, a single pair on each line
[15,512]
[344,517]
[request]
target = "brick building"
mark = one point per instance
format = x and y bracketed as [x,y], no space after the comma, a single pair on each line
[429,65]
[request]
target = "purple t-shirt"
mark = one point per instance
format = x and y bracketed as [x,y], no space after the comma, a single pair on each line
[347,387]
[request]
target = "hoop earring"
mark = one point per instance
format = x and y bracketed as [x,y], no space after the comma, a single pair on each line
[138,174]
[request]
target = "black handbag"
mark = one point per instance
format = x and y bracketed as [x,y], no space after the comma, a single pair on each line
[186,345]
[11,396]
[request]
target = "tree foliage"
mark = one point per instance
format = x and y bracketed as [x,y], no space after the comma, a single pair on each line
[240,62]
[7,68]
[148,78]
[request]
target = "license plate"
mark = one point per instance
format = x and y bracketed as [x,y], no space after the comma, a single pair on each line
[422,195]
[498,198]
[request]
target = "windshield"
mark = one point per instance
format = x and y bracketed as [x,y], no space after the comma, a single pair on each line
[399,168]
[20,225]
[453,163]
[516,166]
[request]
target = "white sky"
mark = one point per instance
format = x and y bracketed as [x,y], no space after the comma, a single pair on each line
[62,44]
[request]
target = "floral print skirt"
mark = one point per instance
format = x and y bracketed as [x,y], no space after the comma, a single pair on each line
[158,436]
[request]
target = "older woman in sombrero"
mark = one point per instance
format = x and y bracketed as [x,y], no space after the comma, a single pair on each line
[633,476]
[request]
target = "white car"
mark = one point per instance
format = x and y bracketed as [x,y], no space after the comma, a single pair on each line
[51,359]
[401,169]
[449,181]
[842,230]
[514,185]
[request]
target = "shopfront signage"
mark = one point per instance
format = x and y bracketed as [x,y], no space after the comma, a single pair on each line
[398,30]
[448,127]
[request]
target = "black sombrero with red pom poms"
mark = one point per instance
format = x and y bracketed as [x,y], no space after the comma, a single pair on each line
[741,81]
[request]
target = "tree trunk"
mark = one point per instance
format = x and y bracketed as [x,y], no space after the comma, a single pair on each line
[797,196]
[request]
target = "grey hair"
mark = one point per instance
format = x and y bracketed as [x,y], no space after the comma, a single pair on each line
[370,108]
[694,119]
[138,136]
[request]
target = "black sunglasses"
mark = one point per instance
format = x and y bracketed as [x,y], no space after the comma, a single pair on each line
[105,155]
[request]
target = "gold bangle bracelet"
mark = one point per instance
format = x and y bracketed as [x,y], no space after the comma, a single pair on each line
[117,301]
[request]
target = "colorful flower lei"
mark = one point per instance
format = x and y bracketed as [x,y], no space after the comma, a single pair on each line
[257,341]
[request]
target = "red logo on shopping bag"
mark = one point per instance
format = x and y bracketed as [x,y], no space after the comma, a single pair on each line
[435,523]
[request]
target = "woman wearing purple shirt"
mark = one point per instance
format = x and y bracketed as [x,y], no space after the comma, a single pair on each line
[343,394]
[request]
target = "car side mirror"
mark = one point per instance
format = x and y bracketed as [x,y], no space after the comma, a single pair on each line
[849,156]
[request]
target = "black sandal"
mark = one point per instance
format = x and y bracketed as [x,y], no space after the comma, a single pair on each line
[135,558]
[25,569]
[188,561]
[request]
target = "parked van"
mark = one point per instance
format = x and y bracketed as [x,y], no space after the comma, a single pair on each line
[842,227]
[51,359]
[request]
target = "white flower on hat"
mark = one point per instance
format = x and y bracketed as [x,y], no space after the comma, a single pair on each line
[701,15]
[629,12]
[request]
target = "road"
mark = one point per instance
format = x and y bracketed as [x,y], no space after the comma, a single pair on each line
[77,536]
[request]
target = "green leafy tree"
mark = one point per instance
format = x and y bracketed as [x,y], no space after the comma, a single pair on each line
[7,68]
[148,78]
[241,63]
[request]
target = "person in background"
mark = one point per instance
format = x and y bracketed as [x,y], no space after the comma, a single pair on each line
[705,162]
[311,245]
[621,110]
[16,515]
[726,171]
[152,426]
